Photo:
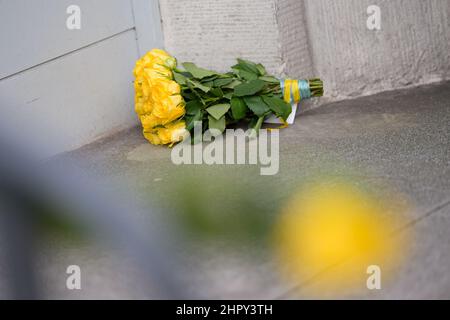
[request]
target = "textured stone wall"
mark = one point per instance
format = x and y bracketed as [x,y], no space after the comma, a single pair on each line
[412,47]
[294,38]
[213,33]
[326,38]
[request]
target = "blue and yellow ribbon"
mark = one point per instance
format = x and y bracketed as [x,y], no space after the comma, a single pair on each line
[295,90]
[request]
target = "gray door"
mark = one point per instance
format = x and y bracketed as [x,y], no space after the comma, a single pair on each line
[73,84]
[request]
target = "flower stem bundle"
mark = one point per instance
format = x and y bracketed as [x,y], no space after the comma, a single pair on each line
[169,100]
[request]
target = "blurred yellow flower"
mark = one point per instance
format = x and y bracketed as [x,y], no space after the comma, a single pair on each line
[338,232]
[158,100]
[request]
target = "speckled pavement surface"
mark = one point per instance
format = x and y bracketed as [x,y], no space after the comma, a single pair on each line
[396,142]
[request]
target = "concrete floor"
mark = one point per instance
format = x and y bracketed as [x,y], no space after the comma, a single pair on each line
[396,142]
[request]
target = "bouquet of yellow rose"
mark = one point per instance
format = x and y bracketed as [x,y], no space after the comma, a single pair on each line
[169,101]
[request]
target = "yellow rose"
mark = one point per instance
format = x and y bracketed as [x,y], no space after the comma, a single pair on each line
[164,57]
[162,89]
[142,107]
[168,112]
[156,59]
[149,121]
[158,100]
[142,87]
[168,104]
[157,72]
[152,136]
[172,133]
[158,54]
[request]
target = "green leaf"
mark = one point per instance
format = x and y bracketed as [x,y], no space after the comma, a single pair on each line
[179,78]
[247,66]
[217,92]
[208,101]
[188,95]
[218,111]
[269,79]
[278,106]
[219,124]
[211,78]
[249,88]
[193,106]
[238,108]
[256,124]
[191,119]
[195,95]
[223,82]
[197,72]
[198,85]
[257,105]
[232,85]
[228,95]
[247,75]
[208,83]
[262,71]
